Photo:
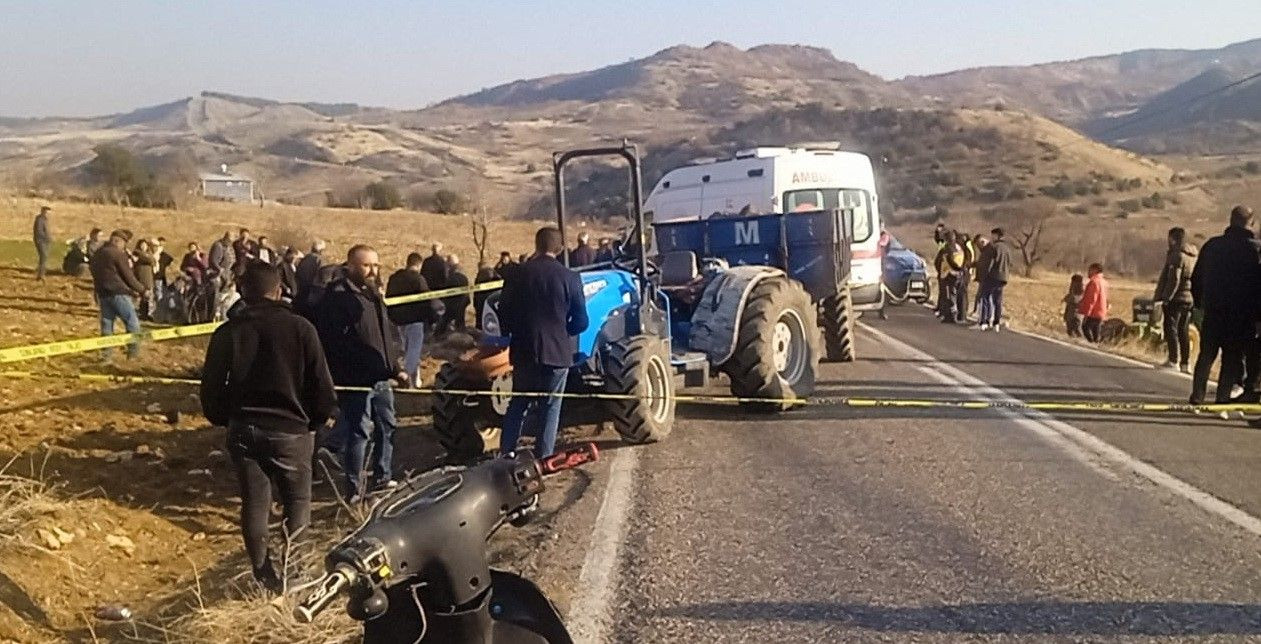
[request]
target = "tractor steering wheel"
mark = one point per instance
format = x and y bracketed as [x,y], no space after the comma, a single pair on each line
[629,264]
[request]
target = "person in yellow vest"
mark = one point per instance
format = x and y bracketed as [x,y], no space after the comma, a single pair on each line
[950,266]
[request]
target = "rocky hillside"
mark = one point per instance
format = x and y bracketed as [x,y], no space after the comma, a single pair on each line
[496,143]
[1082,90]
[717,80]
[1195,117]
[931,163]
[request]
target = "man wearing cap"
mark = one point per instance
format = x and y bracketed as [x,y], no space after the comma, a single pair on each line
[43,240]
[115,285]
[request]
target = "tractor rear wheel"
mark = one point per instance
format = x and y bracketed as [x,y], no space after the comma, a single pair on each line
[837,313]
[777,346]
[467,425]
[640,367]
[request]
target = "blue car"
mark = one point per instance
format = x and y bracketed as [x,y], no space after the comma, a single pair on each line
[905,274]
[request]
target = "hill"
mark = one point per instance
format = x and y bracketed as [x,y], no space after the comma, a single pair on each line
[717,80]
[495,144]
[935,162]
[1195,117]
[1082,90]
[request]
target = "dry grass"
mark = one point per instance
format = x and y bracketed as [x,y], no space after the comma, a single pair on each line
[394,233]
[244,614]
[23,499]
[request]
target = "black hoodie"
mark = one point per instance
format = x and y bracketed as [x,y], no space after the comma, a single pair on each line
[265,367]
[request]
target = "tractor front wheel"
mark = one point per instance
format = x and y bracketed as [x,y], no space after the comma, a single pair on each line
[837,313]
[639,368]
[468,425]
[776,359]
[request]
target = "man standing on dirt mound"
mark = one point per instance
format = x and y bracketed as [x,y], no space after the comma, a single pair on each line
[543,309]
[363,350]
[1226,285]
[266,380]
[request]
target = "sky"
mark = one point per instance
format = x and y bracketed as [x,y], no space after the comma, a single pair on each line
[91,57]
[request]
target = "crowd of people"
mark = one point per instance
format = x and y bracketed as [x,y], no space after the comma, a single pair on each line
[272,373]
[310,355]
[962,260]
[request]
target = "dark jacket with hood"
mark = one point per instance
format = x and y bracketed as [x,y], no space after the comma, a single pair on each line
[1226,283]
[265,367]
[361,342]
[1174,286]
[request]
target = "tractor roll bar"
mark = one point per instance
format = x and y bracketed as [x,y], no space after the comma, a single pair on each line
[631,154]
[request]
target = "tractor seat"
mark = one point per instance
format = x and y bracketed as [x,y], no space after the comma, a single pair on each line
[679,268]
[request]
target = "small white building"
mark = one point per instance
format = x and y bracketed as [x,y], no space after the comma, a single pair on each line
[227,186]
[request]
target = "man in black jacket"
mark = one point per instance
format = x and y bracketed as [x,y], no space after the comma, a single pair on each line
[411,318]
[1226,285]
[304,275]
[114,284]
[363,349]
[543,309]
[456,306]
[43,240]
[434,269]
[266,380]
[995,264]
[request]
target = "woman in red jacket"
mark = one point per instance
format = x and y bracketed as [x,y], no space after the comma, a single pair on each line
[1094,303]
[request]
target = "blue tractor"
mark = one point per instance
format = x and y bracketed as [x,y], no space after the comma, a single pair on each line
[664,321]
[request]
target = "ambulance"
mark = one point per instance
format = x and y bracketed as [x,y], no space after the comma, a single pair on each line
[768,180]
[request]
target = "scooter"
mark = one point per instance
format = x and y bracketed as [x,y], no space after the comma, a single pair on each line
[417,571]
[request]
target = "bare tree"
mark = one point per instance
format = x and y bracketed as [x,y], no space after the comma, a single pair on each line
[1026,228]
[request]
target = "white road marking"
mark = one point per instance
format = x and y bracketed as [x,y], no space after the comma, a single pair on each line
[588,618]
[1083,445]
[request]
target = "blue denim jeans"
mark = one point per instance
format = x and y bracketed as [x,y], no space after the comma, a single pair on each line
[119,306]
[413,343]
[366,417]
[540,413]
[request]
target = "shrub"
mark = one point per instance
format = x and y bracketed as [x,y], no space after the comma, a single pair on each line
[382,196]
[450,202]
[1252,167]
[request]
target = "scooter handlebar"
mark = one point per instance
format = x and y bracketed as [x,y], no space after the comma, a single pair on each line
[329,587]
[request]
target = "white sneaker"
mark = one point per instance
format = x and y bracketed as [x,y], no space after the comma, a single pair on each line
[995,328]
[1186,368]
[980,327]
[1168,364]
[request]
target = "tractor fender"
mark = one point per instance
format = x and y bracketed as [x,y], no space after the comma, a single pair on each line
[717,315]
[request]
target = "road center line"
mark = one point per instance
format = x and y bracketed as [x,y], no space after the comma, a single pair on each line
[1040,422]
[589,616]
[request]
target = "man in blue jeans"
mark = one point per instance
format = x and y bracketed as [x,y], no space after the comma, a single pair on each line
[362,346]
[543,309]
[115,284]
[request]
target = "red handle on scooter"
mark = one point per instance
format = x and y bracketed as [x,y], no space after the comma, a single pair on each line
[569,459]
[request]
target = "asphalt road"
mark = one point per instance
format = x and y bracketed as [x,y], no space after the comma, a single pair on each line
[834,524]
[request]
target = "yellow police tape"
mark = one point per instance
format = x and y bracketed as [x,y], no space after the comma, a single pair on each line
[824,401]
[64,347]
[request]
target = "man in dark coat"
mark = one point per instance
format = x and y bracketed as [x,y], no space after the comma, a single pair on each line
[456,305]
[363,350]
[1226,285]
[994,264]
[543,309]
[411,318]
[245,250]
[43,241]
[305,274]
[584,253]
[266,380]
[114,283]
[222,259]
[434,269]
